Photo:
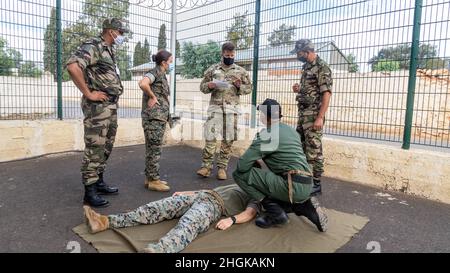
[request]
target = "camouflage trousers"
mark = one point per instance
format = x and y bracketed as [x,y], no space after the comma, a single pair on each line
[223,127]
[312,142]
[197,213]
[100,128]
[154,136]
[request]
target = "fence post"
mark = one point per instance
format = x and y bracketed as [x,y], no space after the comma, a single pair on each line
[412,74]
[58,57]
[173,48]
[255,61]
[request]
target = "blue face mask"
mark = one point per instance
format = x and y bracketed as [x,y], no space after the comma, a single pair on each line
[119,40]
[171,67]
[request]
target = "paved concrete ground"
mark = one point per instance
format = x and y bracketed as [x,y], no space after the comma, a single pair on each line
[40,202]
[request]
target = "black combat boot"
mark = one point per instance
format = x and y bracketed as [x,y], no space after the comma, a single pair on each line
[92,198]
[317,187]
[103,188]
[311,210]
[273,216]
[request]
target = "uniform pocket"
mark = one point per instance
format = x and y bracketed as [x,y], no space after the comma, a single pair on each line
[95,134]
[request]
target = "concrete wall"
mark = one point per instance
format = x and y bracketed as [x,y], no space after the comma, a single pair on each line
[418,172]
[25,139]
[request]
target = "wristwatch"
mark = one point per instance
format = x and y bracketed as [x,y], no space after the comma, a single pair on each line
[233,219]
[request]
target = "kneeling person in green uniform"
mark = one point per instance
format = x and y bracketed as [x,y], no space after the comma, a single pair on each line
[288,179]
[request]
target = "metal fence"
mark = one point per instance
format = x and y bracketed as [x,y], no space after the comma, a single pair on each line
[31,31]
[390,59]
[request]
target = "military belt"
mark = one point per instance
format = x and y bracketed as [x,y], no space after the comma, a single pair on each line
[113,99]
[297,176]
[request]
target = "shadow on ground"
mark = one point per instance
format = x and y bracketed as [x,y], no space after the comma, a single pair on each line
[41,201]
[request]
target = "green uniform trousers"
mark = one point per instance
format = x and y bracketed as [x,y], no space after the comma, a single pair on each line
[260,183]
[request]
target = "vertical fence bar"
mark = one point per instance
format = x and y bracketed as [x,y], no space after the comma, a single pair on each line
[173,48]
[255,61]
[412,75]
[58,57]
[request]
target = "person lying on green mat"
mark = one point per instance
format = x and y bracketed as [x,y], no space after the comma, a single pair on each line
[197,211]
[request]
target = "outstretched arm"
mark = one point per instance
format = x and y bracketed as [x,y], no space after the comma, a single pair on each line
[243,217]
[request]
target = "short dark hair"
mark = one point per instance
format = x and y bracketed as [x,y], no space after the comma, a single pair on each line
[228,46]
[271,109]
[162,56]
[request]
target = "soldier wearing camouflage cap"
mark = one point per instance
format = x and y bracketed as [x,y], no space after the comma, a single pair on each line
[313,98]
[93,69]
[226,82]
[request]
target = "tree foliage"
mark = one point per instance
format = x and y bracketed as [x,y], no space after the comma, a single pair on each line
[387,66]
[197,58]
[353,67]
[402,54]
[50,54]
[284,35]
[241,31]
[162,37]
[90,25]
[9,58]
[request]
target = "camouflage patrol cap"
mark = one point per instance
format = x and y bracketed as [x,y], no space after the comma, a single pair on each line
[115,23]
[303,45]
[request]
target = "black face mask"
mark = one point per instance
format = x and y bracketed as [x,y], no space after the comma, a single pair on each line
[302,59]
[228,61]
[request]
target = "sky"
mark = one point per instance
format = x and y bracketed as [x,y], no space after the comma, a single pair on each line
[359,27]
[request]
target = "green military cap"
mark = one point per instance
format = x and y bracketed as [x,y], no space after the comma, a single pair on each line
[115,23]
[303,45]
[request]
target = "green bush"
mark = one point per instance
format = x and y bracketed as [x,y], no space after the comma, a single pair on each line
[29,69]
[197,58]
[386,66]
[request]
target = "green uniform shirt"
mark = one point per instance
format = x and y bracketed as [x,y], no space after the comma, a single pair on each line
[281,150]
[316,79]
[235,200]
[98,62]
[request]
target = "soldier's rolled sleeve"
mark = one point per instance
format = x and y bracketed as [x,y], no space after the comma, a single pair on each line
[151,77]
[254,205]
[248,159]
[325,80]
[246,86]
[84,56]
[206,79]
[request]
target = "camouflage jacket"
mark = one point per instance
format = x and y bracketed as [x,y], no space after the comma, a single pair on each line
[316,79]
[226,99]
[160,87]
[98,62]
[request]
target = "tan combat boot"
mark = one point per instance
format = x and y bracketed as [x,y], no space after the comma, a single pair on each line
[95,221]
[158,185]
[146,182]
[222,174]
[205,172]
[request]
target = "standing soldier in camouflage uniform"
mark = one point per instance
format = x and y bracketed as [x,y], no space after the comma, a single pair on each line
[94,71]
[313,97]
[155,115]
[226,82]
[196,210]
